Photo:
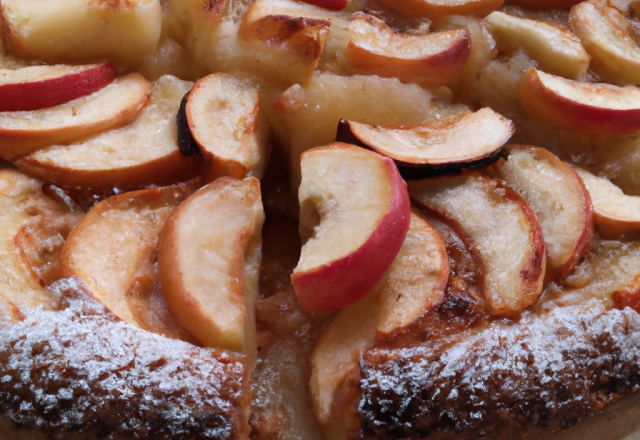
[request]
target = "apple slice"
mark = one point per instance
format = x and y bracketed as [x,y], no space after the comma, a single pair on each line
[500,227]
[142,153]
[606,35]
[580,106]
[435,9]
[615,213]
[209,263]
[354,215]
[113,105]
[432,59]
[9,314]
[555,49]
[559,199]
[36,87]
[34,227]
[113,252]
[436,147]
[225,119]
[332,5]
[413,286]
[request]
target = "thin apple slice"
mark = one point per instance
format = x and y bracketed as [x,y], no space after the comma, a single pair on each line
[413,286]
[580,106]
[559,199]
[142,153]
[431,59]
[435,9]
[209,263]
[37,87]
[113,105]
[554,48]
[34,227]
[436,147]
[500,226]
[113,251]
[225,119]
[354,215]
[615,213]
[605,34]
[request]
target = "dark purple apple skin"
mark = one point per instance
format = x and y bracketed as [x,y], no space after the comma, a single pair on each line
[186,142]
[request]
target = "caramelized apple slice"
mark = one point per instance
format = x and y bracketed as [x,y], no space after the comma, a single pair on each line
[606,35]
[115,104]
[142,153]
[559,199]
[615,213]
[209,263]
[34,227]
[36,87]
[332,5]
[578,105]
[412,287]
[501,228]
[225,119]
[439,146]
[438,8]
[556,50]
[432,59]
[113,251]
[354,215]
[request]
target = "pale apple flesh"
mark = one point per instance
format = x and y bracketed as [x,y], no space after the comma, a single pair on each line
[500,226]
[436,9]
[209,263]
[144,152]
[112,251]
[112,106]
[353,205]
[9,314]
[413,286]
[432,59]
[37,87]
[227,123]
[439,146]
[578,105]
[564,210]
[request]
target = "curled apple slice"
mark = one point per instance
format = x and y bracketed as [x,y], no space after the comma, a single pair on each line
[606,35]
[113,251]
[433,59]
[578,105]
[33,229]
[556,50]
[439,8]
[615,213]
[142,153]
[559,199]
[354,215]
[498,225]
[209,263]
[436,147]
[36,87]
[225,119]
[113,105]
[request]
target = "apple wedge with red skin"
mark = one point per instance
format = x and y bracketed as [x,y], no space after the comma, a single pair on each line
[501,230]
[578,105]
[332,5]
[615,213]
[144,152]
[431,59]
[112,252]
[436,147]
[209,263]
[112,106]
[564,210]
[37,87]
[413,286]
[224,117]
[435,9]
[354,215]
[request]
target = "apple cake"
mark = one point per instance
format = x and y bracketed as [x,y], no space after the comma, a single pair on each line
[319,219]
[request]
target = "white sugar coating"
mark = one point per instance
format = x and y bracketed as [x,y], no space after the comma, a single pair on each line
[82,369]
[547,370]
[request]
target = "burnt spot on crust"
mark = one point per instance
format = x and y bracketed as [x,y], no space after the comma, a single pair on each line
[543,371]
